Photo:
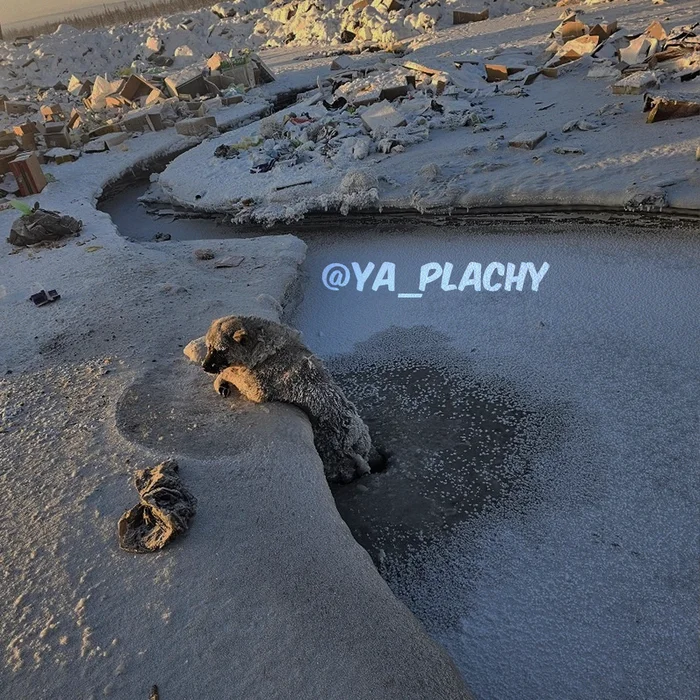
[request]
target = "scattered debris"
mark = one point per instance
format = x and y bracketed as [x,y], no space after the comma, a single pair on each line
[662,107]
[41,226]
[229,261]
[42,298]
[164,511]
[528,139]
[161,237]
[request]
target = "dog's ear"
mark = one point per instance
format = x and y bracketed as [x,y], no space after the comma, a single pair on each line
[241,336]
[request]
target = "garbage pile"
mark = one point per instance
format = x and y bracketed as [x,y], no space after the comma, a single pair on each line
[383,108]
[96,114]
[41,226]
[638,63]
[186,38]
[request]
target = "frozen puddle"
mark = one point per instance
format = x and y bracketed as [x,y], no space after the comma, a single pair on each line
[541,515]
[459,444]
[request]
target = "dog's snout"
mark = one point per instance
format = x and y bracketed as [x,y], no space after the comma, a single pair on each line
[212,363]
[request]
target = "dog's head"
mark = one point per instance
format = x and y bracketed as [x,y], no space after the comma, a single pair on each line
[242,341]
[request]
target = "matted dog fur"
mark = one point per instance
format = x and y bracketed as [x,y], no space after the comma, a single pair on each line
[267,361]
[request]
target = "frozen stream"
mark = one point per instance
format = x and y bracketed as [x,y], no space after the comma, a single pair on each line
[541,513]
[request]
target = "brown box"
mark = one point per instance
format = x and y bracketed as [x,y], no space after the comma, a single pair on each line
[79,87]
[56,135]
[104,130]
[463,16]
[135,88]
[76,119]
[495,73]
[28,173]
[155,119]
[16,107]
[27,135]
[136,122]
[571,30]
[603,31]
[231,100]
[52,113]
[219,61]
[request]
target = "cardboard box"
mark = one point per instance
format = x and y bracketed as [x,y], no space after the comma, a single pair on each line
[155,119]
[16,107]
[603,31]
[52,113]
[104,130]
[136,88]
[117,102]
[156,97]
[79,87]
[381,116]
[231,100]
[464,16]
[56,135]
[495,72]
[570,30]
[136,122]
[28,173]
[188,82]
[219,61]
[27,135]
[75,120]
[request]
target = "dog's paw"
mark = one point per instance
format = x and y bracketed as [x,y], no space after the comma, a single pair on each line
[222,387]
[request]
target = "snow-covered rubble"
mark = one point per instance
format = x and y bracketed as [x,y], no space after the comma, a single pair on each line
[243,24]
[462,109]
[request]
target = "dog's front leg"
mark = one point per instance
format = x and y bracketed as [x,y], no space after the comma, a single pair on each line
[241,378]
